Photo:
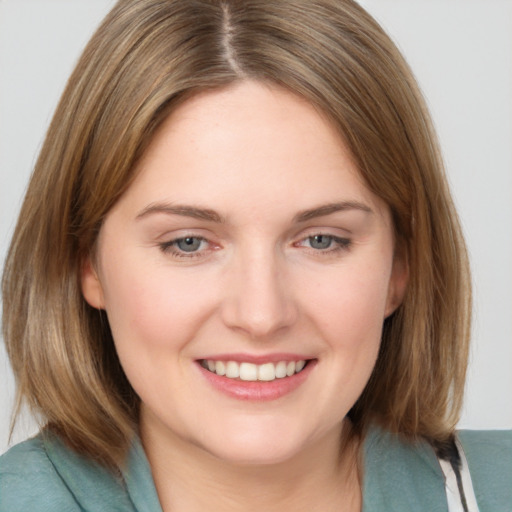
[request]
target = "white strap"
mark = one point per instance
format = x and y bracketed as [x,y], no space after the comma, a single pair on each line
[452,489]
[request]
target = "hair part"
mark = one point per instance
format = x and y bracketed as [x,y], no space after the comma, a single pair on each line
[147,57]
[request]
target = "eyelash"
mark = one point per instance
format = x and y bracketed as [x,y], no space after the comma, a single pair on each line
[172,249]
[340,244]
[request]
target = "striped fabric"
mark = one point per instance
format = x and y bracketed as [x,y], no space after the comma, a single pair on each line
[459,487]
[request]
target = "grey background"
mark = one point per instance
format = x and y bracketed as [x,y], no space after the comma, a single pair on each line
[461,52]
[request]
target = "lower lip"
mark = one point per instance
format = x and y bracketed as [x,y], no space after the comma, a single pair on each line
[257,391]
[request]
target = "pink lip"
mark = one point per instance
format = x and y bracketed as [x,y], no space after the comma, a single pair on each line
[257,391]
[257,359]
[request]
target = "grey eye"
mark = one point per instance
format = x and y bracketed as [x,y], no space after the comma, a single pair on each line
[188,244]
[320,241]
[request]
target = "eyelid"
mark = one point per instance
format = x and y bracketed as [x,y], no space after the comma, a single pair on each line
[338,239]
[340,243]
[313,230]
[169,247]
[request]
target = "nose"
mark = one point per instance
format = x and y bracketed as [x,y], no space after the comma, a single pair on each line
[259,299]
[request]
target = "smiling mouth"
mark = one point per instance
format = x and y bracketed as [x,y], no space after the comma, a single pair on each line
[266,372]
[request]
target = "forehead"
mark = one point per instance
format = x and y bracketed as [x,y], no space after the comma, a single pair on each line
[253,144]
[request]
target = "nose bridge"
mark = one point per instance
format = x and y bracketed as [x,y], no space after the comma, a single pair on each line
[259,301]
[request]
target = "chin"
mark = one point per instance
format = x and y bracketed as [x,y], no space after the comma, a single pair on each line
[257,444]
[254,455]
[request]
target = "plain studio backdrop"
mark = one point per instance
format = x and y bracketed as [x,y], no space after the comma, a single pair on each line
[461,53]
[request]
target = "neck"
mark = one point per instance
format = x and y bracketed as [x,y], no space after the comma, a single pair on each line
[324,476]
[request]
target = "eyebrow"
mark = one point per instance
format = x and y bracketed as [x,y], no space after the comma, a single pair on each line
[212,216]
[328,209]
[183,210]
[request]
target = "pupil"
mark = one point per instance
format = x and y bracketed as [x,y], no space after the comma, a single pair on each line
[189,244]
[320,242]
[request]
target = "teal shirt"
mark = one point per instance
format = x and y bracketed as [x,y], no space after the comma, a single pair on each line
[42,475]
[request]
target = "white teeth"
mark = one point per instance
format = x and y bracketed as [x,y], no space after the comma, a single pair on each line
[220,368]
[248,371]
[281,369]
[267,372]
[299,365]
[232,370]
[251,372]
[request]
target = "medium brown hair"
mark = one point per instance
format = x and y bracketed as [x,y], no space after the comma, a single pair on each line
[149,55]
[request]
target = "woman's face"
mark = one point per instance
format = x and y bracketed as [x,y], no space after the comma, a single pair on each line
[247,244]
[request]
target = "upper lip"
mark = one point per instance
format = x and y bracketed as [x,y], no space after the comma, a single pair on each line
[256,359]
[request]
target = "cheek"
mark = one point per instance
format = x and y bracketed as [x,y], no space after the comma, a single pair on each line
[348,312]
[345,309]
[153,317]
[150,310]
[349,306]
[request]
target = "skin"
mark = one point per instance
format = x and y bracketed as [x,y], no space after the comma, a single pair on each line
[258,284]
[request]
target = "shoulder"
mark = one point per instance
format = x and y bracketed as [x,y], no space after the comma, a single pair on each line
[489,457]
[401,474]
[43,475]
[404,474]
[29,481]
[485,443]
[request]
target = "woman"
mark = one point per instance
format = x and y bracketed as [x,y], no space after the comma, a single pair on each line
[238,279]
